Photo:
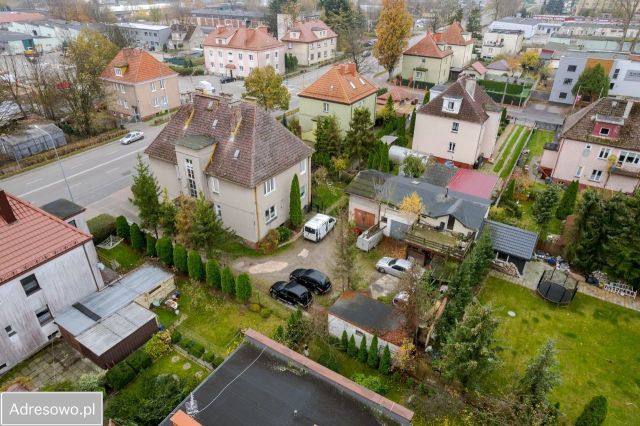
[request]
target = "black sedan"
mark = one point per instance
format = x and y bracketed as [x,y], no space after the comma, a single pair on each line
[291,293]
[314,280]
[227,79]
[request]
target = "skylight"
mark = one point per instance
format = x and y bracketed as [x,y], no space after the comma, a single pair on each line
[362,81]
[353,86]
[236,154]
[215,123]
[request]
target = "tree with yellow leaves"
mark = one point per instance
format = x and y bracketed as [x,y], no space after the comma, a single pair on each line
[393,31]
[412,205]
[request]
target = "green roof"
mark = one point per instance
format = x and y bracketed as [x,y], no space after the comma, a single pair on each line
[195,142]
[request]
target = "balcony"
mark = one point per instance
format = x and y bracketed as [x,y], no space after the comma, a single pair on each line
[444,243]
[625,171]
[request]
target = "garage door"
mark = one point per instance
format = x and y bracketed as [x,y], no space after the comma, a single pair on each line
[364,220]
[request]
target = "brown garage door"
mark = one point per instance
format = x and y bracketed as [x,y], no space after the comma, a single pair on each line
[364,220]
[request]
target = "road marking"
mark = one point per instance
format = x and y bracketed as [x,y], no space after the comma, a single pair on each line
[76,166]
[75,184]
[34,181]
[113,170]
[90,169]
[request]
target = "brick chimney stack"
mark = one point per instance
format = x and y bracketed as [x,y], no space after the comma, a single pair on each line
[6,212]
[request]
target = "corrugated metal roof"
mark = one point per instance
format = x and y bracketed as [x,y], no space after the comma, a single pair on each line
[512,240]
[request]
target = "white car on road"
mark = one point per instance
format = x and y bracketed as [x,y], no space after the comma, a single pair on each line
[131,137]
[393,266]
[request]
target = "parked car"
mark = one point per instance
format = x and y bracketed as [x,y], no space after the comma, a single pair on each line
[132,137]
[227,79]
[393,266]
[292,293]
[312,279]
[318,227]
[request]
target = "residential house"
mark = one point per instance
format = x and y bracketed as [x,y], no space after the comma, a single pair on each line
[238,156]
[236,51]
[501,42]
[476,70]
[13,43]
[311,42]
[280,386]
[623,71]
[227,15]
[404,101]
[147,36]
[599,147]
[528,26]
[450,219]
[337,92]
[139,86]
[425,64]
[47,266]
[460,125]
[501,68]
[361,316]
[454,37]
[7,17]
[186,36]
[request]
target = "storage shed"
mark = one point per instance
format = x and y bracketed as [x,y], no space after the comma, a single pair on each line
[29,141]
[512,244]
[109,325]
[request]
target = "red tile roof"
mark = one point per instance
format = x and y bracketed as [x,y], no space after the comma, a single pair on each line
[474,183]
[479,67]
[33,238]
[140,67]
[452,35]
[242,38]
[398,94]
[341,84]
[7,17]
[306,30]
[473,109]
[427,47]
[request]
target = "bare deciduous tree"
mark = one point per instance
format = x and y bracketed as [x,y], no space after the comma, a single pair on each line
[10,74]
[626,10]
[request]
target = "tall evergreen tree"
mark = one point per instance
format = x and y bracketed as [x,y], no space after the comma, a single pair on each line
[473,23]
[180,259]
[385,362]
[593,82]
[360,138]
[373,359]
[344,341]
[145,190]
[194,266]
[568,201]
[481,257]
[243,288]
[412,124]
[295,203]
[545,204]
[137,238]
[164,250]
[594,413]
[363,353]
[167,214]
[228,281]
[328,140]
[206,228]
[122,227]
[352,349]
[151,246]
[470,349]
[212,272]
[590,233]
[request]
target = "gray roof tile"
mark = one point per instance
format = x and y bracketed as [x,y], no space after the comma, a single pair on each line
[512,240]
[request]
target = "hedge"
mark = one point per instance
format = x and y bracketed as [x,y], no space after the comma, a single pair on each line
[139,360]
[101,227]
[164,250]
[196,349]
[498,86]
[176,336]
[119,376]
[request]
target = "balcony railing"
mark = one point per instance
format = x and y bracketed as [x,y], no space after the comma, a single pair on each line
[625,171]
[441,242]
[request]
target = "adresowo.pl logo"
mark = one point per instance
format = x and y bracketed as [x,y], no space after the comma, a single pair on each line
[51,409]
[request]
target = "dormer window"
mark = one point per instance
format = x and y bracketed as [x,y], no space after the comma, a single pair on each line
[450,106]
[118,71]
[604,131]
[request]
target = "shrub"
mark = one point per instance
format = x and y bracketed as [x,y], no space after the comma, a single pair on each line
[265,313]
[180,259]
[329,361]
[373,359]
[270,242]
[243,288]
[101,227]
[228,281]
[209,357]
[122,227]
[137,238]
[119,376]
[568,201]
[362,352]
[594,412]
[217,361]
[151,246]
[194,264]
[91,382]
[139,360]
[196,349]
[375,383]
[159,344]
[385,361]
[164,249]
[254,307]
[186,344]
[344,341]
[213,273]
[176,336]
[278,335]
[352,349]
[285,233]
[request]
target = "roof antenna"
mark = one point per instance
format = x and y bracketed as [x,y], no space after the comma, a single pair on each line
[192,406]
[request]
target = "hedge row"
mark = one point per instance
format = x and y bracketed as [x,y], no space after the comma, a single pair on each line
[125,371]
[196,349]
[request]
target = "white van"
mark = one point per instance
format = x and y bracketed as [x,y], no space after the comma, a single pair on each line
[318,227]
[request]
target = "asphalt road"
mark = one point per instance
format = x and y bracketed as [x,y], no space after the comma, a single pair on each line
[92,175]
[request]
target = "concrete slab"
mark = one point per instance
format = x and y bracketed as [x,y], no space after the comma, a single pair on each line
[384,286]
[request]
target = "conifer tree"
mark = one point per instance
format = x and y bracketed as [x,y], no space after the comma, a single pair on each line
[164,250]
[180,259]
[228,282]
[545,204]
[137,239]
[194,265]
[385,361]
[295,203]
[373,359]
[145,190]
[167,214]
[243,288]
[363,353]
[122,228]
[594,413]
[206,228]
[213,274]
[344,341]
[352,349]
[568,201]
[151,246]
[360,138]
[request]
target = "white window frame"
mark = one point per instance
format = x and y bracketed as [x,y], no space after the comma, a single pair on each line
[218,208]
[250,57]
[451,106]
[215,185]
[596,175]
[579,171]
[290,45]
[240,56]
[604,153]
[117,71]
[153,86]
[418,74]
[624,155]
[455,127]
[162,84]
[191,178]
[452,147]
[325,107]
[270,214]
[269,186]
[303,191]
[303,166]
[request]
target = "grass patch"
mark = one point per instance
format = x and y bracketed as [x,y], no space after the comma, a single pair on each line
[126,257]
[506,148]
[325,195]
[596,342]
[215,322]
[165,316]
[537,141]
[513,155]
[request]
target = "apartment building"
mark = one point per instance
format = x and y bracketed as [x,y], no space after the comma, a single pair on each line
[311,42]
[425,63]
[501,42]
[146,36]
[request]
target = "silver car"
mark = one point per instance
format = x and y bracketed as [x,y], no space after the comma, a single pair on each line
[131,137]
[393,266]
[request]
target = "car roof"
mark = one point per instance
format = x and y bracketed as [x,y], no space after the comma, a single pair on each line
[318,219]
[403,262]
[296,288]
[279,284]
[317,275]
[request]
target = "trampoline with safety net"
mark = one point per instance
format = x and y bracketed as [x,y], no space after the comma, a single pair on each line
[557,287]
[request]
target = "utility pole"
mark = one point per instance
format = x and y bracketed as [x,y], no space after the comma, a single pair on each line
[53,143]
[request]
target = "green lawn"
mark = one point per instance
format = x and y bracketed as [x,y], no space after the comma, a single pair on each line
[126,257]
[597,344]
[324,195]
[215,322]
[165,316]
[166,365]
[514,154]
[537,141]
[506,148]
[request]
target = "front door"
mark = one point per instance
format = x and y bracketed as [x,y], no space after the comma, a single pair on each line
[451,222]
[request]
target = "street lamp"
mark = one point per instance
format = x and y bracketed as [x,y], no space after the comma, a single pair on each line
[53,143]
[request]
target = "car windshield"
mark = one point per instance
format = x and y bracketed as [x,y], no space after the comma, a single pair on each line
[130,135]
[309,230]
[392,262]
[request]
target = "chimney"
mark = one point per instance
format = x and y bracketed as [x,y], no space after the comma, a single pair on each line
[627,109]
[346,69]
[6,212]
[235,117]
[470,86]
